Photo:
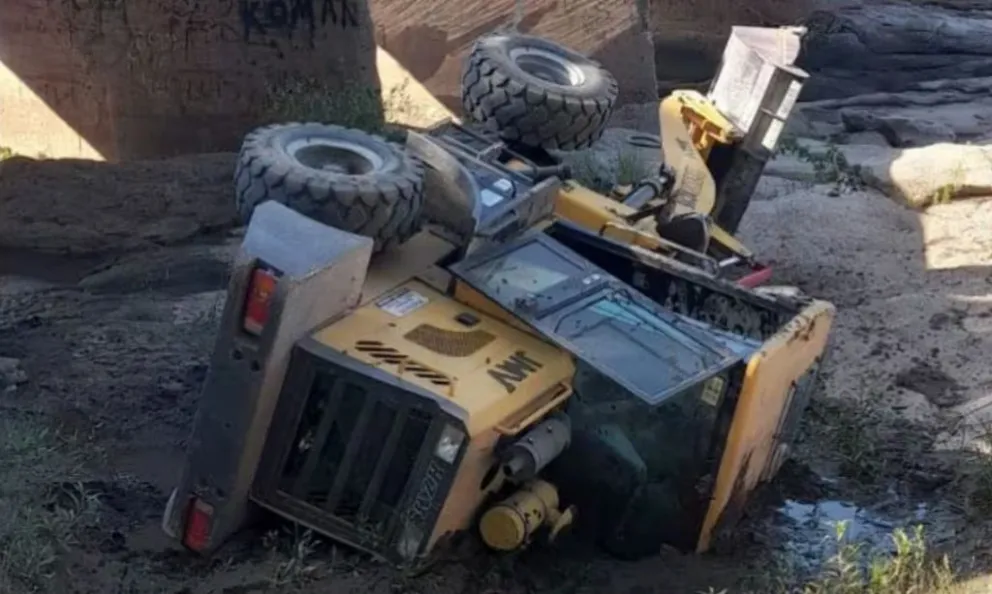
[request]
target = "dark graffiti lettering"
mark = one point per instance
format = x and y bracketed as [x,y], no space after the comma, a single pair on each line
[339,13]
[266,17]
[514,370]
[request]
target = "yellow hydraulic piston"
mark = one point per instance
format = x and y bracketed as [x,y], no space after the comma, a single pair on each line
[511,523]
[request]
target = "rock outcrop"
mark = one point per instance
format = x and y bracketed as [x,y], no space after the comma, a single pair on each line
[927,145]
[868,47]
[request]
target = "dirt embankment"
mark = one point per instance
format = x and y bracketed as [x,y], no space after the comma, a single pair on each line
[82,208]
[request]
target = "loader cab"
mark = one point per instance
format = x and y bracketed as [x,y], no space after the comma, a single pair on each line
[688,390]
[564,297]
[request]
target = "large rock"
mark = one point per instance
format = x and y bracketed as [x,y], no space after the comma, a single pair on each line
[936,173]
[868,47]
[898,131]
[926,112]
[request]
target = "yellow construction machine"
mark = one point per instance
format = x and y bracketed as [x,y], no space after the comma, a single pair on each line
[416,345]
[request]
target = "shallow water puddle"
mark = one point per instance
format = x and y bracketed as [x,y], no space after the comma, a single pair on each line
[810,530]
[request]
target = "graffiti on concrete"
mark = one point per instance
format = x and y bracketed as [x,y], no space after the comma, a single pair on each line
[289,17]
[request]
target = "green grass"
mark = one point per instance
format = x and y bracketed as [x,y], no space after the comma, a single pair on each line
[910,570]
[853,569]
[363,108]
[44,503]
[595,174]
[631,168]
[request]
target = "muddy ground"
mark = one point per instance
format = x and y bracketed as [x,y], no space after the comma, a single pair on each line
[110,285]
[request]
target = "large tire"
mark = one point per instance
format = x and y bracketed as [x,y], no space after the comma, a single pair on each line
[341,177]
[538,93]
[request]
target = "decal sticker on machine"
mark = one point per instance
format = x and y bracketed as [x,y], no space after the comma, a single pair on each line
[712,390]
[515,369]
[403,302]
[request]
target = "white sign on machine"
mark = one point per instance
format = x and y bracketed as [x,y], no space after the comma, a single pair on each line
[402,302]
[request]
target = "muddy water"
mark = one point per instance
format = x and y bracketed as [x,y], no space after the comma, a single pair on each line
[808,531]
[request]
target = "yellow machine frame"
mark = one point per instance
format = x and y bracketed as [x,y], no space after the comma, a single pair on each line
[691,127]
[754,449]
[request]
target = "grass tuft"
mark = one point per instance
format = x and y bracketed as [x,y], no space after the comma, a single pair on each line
[853,569]
[40,522]
[830,166]
[910,570]
[298,559]
[362,108]
[602,175]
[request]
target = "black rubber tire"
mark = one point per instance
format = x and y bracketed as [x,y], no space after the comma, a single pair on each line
[384,203]
[521,107]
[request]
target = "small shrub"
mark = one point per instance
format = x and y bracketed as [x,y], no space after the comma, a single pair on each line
[829,166]
[909,570]
[852,569]
[602,176]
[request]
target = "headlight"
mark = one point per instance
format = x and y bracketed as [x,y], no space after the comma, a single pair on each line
[449,444]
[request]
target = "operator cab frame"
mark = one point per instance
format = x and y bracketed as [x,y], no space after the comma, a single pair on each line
[602,321]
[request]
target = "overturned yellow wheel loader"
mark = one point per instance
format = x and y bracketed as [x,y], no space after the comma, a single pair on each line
[415,346]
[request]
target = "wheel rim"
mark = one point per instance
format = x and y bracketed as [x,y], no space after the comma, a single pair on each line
[335,156]
[547,66]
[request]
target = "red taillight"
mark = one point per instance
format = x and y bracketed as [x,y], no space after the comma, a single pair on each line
[198,522]
[259,298]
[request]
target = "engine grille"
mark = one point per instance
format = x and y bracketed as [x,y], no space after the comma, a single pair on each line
[354,453]
[449,342]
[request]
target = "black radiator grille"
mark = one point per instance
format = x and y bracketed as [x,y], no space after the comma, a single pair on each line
[354,452]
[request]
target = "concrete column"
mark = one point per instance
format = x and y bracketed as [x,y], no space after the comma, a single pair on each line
[131,79]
